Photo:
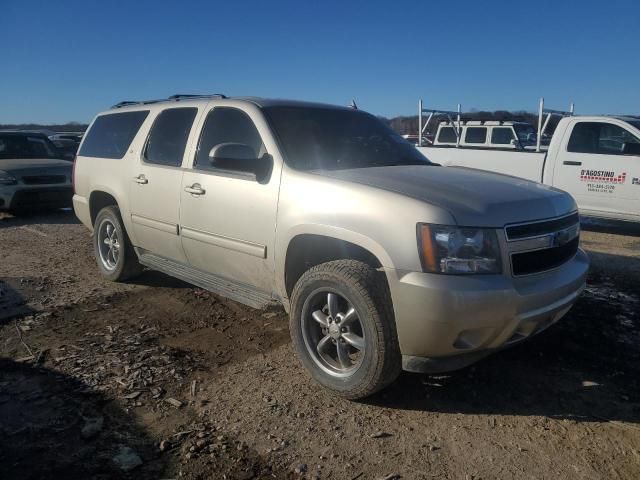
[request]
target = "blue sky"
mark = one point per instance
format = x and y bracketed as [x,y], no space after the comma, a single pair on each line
[66,60]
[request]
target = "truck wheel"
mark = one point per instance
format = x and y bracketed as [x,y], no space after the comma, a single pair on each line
[343,328]
[116,258]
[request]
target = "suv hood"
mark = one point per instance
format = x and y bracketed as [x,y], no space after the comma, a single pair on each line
[475,198]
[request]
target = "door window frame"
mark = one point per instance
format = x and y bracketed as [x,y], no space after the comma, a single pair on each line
[219,172]
[578,122]
[195,123]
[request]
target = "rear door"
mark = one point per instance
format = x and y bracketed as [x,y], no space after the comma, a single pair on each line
[155,186]
[593,167]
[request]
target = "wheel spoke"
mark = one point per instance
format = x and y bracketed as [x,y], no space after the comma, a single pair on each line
[321,318]
[332,303]
[322,344]
[343,355]
[106,241]
[349,317]
[109,229]
[354,340]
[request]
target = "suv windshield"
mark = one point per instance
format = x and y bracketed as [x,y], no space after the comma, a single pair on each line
[15,146]
[316,138]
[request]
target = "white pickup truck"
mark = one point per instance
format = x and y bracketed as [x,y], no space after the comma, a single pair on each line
[594,158]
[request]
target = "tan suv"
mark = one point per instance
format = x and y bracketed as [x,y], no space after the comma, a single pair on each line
[383,260]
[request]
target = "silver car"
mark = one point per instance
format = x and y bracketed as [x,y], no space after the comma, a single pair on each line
[383,260]
[32,173]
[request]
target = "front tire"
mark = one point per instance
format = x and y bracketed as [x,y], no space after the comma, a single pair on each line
[343,328]
[114,252]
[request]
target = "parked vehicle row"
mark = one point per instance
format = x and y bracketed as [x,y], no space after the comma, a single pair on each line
[384,260]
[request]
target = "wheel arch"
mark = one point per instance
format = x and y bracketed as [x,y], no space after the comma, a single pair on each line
[310,247]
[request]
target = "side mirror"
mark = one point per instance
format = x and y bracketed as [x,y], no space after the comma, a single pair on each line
[239,157]
[231,152]
[631,148]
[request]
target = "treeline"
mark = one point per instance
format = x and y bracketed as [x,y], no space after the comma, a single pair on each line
[66,127]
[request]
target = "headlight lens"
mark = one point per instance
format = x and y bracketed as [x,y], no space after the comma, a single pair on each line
[6,179]
[458,250]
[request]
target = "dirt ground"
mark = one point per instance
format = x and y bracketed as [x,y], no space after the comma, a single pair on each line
[157,379]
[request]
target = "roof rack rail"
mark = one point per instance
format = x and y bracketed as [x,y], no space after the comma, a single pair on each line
[175,98]
[128,103]
[179,96]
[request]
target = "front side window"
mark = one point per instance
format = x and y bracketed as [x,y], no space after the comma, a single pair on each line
[168,136]
[476,135]
[599,138]
[111,134]
[324,138]
[502,135]
[447,135]
[225,125]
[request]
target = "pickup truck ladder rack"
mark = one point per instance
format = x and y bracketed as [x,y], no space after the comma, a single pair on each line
[542,126]
[549,113]
[432,113]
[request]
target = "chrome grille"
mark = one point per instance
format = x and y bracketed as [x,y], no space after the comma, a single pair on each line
[540,246]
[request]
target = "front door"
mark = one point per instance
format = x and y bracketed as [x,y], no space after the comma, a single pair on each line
[156,184]
[593,166]
[227,215]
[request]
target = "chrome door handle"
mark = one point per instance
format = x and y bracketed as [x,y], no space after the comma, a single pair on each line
[141,179]
[195,189]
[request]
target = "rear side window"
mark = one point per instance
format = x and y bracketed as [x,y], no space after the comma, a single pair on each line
[447,135]
[227,125]
[476,135]
[168,136]
[502,135]
[111,134]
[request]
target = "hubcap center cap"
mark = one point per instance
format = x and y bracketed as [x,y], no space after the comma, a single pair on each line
[334,331]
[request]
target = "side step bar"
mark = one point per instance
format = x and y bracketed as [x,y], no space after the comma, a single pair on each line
[239,292]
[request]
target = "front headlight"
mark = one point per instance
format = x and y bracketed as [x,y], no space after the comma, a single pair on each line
[6,179]
[458,250]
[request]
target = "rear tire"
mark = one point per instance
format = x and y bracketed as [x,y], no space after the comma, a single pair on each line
[114,252]
[343,328]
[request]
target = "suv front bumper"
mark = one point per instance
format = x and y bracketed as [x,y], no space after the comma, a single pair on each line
[446,322]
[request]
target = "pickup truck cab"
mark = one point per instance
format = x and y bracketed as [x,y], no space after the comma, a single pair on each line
[594,158]
[382,259]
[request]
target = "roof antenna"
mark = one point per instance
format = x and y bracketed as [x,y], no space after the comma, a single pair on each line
[353,104]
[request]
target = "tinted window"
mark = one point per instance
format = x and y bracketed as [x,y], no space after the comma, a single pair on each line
[227,125]
[476,135]
[602,138]
[501,135]
[315,138]
[447,135]
[17,146]
[168,136]
[111,134]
